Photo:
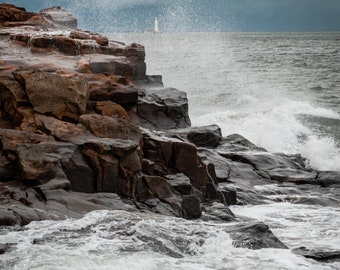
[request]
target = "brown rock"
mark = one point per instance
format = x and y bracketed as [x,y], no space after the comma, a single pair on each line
[109,108]
[42,41]
[12,96]
[11,13]
[11,139]
[83,65]
[107,87]
[114,65]
[58,95]
[66,45]
[25,116]
[63,131]
[160,187]
[111,127]
[43,162]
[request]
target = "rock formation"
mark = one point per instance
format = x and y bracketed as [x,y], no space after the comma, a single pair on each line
[81,131]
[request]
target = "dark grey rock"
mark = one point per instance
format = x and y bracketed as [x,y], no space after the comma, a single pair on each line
[254,236]
[164,109]
[191,208]
[329,179]
[318,254]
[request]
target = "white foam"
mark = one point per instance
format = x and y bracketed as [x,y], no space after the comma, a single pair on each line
[122,240]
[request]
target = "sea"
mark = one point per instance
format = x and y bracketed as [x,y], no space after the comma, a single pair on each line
[279,90]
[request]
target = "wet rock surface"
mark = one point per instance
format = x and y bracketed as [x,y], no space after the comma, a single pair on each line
[318,255]
[84,128]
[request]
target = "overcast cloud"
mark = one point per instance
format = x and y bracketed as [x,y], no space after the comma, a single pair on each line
[199,15]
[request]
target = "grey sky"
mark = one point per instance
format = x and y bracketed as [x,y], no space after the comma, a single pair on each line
[200,15]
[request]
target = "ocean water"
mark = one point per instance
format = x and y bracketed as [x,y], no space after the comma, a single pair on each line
[279,90]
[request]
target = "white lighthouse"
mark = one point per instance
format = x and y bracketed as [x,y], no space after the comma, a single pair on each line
[156,29]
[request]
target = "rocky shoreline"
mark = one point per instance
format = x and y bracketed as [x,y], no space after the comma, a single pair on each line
[83,128]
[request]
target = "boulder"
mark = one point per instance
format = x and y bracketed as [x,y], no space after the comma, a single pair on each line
[111,127]
[255,235]
[64,96]
[114,65]
[43,162]
[191,208]
[326,255]
[41,41]
[106,87]
[180,183]
[218,211]
[206,136]
[237,143]
[172,155]
[10,140]
[112,109]
[86,35]
[221,164]
[11,13]
[329,179]
[165,192]
[66,45]
[164,109]
[12,99]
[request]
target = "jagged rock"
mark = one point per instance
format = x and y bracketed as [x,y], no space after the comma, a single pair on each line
[109,108]
[63,131]
[10,140]
[276,167]
[105,87]
[164,109]
[237,143]
[254,236]
[218,211]
[180,183]
[160,187]
[55,94]
[114,65]
[318,254]
[329,179]
[171,155]
[42,41]
[111,127]
[206,136]
[8,218]
[88,108]
[151,81]
[135,53]
[12,99]
[191,208]
[116,165]
[11,13]
[221,165]
[85,35]
[66,45]
[43,162]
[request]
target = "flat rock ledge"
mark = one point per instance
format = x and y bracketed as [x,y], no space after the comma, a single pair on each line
[83,128]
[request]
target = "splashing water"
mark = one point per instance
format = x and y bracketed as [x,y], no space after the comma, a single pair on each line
[279,90]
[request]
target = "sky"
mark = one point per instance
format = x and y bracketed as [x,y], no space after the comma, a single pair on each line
[198,15]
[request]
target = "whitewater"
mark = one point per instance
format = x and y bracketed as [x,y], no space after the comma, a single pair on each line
[279,90]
